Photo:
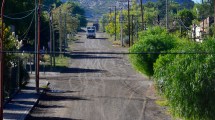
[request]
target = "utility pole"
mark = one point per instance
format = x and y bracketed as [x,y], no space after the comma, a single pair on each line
[158,19]
[65,32]
[142,15]
[167,19]
[129,37]
[110,10]
[121,29]
[35,41]
[132,29]
[60,30]
[115,23]
[1,61]
[38,49]
[53,36]
[137,29]
[50,26]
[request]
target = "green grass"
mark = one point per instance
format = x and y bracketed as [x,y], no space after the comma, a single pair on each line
[62,61]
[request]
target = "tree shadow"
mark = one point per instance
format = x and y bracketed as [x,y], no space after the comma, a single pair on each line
[53,106]
[64,69]
[101,38]
[90,57]
[78,42]
[81,70]
[30,117]
[51,97]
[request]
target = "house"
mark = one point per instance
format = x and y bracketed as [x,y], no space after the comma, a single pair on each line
[205,25]
[199,31]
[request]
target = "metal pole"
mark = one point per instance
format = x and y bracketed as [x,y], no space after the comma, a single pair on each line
[129,37]
[1,61]
[115,23]
[142,14]
[38,50]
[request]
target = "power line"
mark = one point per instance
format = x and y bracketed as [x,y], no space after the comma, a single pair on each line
[28,29]
[21,12]
[20,18]
[113,53]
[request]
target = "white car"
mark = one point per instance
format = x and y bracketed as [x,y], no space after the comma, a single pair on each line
[91,33]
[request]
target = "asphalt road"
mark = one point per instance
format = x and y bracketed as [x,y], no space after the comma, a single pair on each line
[98,87]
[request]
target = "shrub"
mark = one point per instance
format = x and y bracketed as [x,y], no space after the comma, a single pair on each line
[152,40]
[188,80]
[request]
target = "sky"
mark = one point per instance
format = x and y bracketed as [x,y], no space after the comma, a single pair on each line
[197,1]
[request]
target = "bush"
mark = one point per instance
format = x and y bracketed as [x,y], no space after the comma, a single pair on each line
[153,40]
[188,80]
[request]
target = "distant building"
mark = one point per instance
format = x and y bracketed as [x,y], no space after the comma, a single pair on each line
[196,33]
[199,31]
[205,25]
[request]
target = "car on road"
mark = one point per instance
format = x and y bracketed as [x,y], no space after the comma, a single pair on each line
[91,33]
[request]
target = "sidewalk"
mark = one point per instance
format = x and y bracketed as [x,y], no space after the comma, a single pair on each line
[23,102]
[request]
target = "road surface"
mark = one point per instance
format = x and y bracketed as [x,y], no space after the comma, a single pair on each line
[98,87]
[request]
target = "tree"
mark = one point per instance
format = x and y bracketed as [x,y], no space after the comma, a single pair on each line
[187,80]
[153,40]
[186,16]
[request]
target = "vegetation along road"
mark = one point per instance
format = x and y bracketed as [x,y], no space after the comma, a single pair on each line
[98,87]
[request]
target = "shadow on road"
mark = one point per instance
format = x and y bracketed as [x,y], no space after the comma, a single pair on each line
[48,118]
[63,69]
[50,97]
[102,38]
[78,42]
[90,57]
[81,70]
[53,106]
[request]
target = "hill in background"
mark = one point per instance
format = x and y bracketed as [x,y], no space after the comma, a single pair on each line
[95,8]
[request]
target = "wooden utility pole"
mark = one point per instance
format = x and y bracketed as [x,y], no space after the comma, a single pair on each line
[38,49]
[60,30]
[142,14]
[115,23]
[129,37]
[167,15]
[65,31]
[53,43]
[51,40]
[132,29]
[121,27]
[35,41]
[1,61]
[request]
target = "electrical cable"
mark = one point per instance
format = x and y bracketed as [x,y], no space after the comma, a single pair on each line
[21,12]
[28,29]
[20,17]
[115,53]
